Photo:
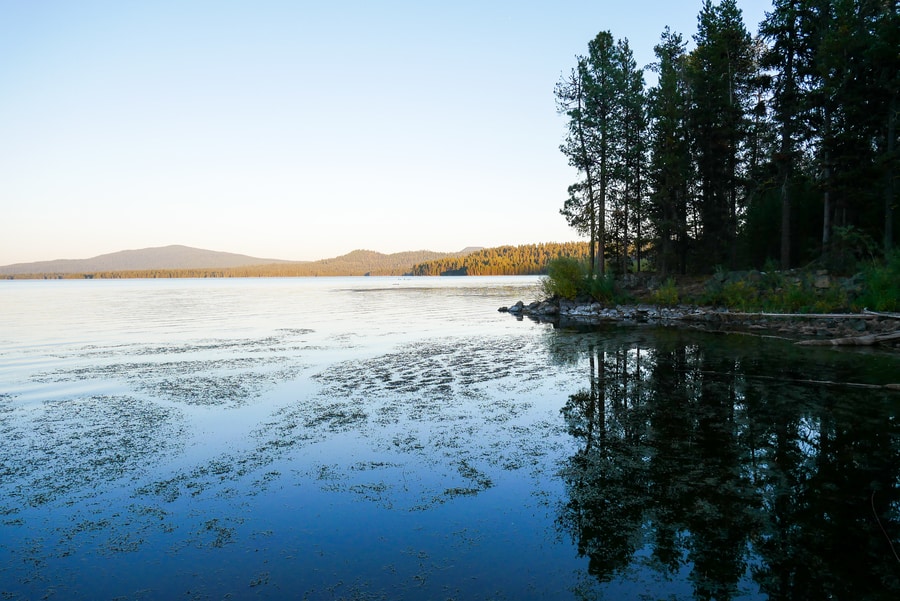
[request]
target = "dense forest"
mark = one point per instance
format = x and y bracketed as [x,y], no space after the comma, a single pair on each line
[777,149]
[527,259]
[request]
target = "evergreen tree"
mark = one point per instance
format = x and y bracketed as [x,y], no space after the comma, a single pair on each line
[603,107]
[721,68]
[580,208]
[670,159]
[632,152]
[600,97]
[855,65]
[785,58]
[884,57]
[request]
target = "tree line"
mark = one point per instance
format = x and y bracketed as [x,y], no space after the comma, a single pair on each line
[526,259]
[778,148]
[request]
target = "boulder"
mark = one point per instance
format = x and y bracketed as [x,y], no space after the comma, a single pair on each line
[547,308]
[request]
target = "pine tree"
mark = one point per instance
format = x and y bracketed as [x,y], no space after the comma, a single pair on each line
[632,150]
[721,68]
[785,58]
[670,159]
[602,104]
[580,208]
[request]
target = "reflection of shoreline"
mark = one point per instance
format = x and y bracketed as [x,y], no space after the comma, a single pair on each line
[692,456]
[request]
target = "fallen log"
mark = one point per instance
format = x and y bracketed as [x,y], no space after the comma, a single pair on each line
[864,315]
[881,314]
[868,340]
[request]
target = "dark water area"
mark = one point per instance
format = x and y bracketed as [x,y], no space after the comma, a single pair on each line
[384,438]
[741,465]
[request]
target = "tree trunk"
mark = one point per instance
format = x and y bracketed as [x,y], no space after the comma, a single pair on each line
[889,176]
[826,198]
[785,222]
[590,190]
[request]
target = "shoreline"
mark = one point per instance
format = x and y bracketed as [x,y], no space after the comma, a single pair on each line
[867,328]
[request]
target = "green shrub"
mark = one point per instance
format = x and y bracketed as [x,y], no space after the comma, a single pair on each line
[565,278]
[602,289]
[881,285]
[666,294]
[789,298]
[740,295]
[570,279]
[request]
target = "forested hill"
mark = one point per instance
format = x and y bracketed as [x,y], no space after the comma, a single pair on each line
[528,259]
[358,262]
[361,262]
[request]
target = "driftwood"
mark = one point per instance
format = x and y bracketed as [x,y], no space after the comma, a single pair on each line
[868,340]
[878,314]
[864,315]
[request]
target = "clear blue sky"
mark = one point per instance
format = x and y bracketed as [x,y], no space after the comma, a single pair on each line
[294,129]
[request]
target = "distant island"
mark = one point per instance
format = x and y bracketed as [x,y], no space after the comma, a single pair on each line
[178,261]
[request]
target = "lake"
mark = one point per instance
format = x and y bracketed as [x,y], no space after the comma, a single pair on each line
[398,438]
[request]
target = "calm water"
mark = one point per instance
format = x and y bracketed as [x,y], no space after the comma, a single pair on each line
[398,438]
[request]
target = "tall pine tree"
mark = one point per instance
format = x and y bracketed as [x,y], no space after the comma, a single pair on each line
[670,159]
[721,69]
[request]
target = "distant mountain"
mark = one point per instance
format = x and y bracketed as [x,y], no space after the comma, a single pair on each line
[184,261]
[164,257]
[358,262]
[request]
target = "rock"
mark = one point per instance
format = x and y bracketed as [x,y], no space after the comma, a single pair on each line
[854,285]
[547,308]
[822,281]
[517,308]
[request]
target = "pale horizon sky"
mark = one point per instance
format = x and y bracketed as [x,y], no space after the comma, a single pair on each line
[295,130]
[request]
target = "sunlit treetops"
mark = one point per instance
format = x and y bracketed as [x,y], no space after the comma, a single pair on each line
[528,259]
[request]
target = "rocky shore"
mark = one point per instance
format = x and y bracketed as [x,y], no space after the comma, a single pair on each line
[857,329]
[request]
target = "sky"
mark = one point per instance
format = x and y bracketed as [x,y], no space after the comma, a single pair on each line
[295,129]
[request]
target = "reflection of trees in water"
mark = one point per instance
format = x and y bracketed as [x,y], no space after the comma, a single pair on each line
[694,455]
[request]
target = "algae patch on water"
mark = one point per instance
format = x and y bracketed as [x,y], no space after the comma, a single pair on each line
[68,448]
[212,373]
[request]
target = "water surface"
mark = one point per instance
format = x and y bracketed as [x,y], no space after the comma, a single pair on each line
[398,438]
